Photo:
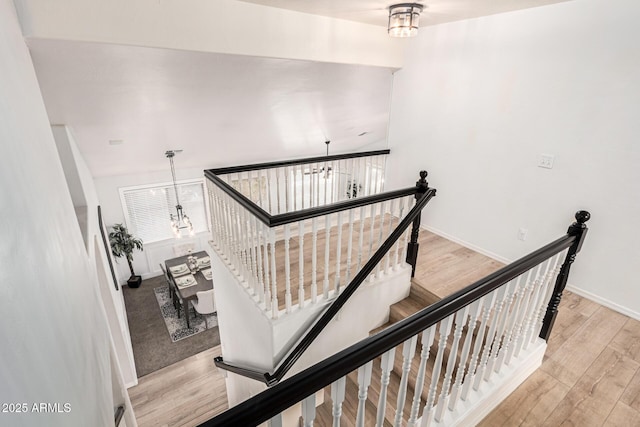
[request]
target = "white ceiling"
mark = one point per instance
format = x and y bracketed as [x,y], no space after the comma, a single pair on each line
[376,12]
[220,109]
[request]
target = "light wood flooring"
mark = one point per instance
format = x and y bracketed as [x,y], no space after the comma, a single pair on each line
[590,375]
[186,393]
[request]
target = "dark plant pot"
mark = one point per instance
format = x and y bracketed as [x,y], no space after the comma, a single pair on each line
[134,281]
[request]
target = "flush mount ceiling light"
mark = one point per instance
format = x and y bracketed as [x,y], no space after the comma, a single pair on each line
[404,19]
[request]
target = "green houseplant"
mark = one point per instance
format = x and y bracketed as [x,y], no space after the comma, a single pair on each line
[122,245]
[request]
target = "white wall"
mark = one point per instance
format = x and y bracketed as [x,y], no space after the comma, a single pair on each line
[80,178]
[55,340]
[252,339]
[145,263]
[480,100]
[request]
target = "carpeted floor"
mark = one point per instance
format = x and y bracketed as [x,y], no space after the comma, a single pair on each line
[152,346]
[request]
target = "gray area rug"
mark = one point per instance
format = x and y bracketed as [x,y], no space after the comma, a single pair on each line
[152,345]
[177,326]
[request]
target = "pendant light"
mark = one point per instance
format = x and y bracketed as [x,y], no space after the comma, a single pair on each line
[180,221]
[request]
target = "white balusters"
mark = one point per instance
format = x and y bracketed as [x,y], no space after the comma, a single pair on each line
[503,312]
[314,260]
[408,351]
[267,277]
[276,421]
[274,286]
[381,221]
[460,320]
[444,330]
[309,410]
[386,364]
[427,340]
[327,255]
[301,264]
[338,253]
[475,309]
[337,397]
[259,248]
[349,245]
[360,239]
[287,269]
[364,380]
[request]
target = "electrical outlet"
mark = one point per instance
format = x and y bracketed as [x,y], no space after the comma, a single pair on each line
[546,161]
[522,234]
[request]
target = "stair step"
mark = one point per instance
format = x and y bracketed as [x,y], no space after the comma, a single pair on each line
[422,295]
[380,328]
[403,309]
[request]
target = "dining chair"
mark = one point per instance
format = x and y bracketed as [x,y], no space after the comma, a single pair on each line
[206,304]
[175,296]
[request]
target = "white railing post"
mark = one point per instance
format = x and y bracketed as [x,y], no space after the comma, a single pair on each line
[475,309]
[349,246]
[338,253]
[337,397]
[380,232]
[274,293]
[287,269]
[309,410]
[314,260]
[364,380]
[444,329]
[408,351]
[386,364]
[460,321]
[327,254]
[427,340]
[264,232]
[301,264]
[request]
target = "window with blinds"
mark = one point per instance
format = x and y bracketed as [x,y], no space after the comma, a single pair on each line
[147,209]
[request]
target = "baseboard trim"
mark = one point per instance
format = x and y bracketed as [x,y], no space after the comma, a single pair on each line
[131,384]
[586,294]
[467,245]
[603,301]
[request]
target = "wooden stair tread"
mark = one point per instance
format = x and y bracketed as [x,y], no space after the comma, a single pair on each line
[421,294]
[403,309]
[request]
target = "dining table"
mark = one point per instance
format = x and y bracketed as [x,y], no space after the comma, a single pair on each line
[189,293]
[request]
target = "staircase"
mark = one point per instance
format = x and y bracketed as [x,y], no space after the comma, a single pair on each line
[436,362]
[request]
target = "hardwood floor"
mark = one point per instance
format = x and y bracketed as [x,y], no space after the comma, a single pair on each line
[186,393]
[590,375]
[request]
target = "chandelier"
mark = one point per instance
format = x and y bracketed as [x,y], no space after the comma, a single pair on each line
[179,220]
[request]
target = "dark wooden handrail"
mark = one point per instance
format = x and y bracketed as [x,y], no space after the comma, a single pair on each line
[323,321]
[276,399]
[291,217]
[318,159]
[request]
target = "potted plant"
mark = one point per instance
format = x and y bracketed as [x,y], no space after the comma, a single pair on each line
[123,244]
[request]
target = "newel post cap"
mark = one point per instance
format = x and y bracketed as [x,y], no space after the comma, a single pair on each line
[582,217]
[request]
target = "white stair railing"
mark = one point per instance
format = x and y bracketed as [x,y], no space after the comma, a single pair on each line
[329,249]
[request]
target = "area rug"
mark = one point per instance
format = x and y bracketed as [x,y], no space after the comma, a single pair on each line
[177,327]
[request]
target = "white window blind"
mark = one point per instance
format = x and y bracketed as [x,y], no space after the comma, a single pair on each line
[148,208]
